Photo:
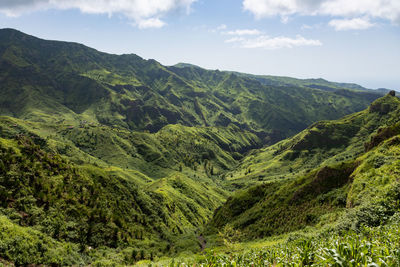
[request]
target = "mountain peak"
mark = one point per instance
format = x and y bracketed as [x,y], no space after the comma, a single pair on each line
[13,34]
[8,29]
[386,103]
[185,65]
[11,30]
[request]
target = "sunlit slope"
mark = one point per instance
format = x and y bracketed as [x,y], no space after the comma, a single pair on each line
[59,81]
[89,205]
[322,143]
[351,178]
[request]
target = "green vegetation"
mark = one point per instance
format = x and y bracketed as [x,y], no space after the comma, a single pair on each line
[324,143]
[94,207]
[116,160]
[372,246]
[362,189]
[74,83]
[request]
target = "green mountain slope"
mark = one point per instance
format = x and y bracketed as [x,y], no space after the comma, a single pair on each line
[89,205]
[342,172]
[73,82]
[308,83]
[156,190]
[322,143]
[282,81]
[113,158]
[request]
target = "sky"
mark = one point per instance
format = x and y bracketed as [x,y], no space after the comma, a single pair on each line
[338,40]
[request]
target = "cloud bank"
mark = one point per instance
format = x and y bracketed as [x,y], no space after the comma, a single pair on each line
[143,13]
[244,32]
[351,24]
[270,43]
[378,9]
[256,39]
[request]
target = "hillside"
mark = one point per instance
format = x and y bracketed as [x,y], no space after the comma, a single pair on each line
[94,204]
[342,173]
[75,83]
[112,159]
[322,143]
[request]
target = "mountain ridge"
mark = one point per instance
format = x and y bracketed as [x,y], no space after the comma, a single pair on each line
[335,185]
[144,95]
[113,159]
[286,80]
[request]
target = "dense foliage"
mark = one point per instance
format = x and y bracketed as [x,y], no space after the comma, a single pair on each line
[108,159]
[371,246]
[73,82]
[333,189]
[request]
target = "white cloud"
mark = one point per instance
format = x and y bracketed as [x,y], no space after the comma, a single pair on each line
[351,24]
[235,40]
[143,13]
[284,19]
[267,8]
[244,32]
[221,27]
[311,27]
[306,27]
[150,23]
[266,42]
[383,9]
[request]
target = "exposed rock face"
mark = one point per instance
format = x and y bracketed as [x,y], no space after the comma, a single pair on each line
[392,93]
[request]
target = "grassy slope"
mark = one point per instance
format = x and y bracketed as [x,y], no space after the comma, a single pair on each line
[278,110]
[71,151]
[160,188]
[371,246]
[90,206]
[359,188]
[75,83]
[323,143]
[282,81]
[309,83]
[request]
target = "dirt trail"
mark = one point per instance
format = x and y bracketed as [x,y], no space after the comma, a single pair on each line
[202,242]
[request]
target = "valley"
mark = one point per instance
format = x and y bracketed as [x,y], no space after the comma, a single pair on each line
[117,160]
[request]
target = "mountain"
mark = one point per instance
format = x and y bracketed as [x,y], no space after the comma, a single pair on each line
[309,83]
[69,196]
[341,173]
[74,83]
[282,81]
[112,159]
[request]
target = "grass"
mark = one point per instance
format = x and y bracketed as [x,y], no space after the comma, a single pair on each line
[371,247]
[116,160]
[91,206]
[362,184]
[76,83]
[321,144]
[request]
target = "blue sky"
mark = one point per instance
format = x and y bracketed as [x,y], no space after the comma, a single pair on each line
[339,40]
